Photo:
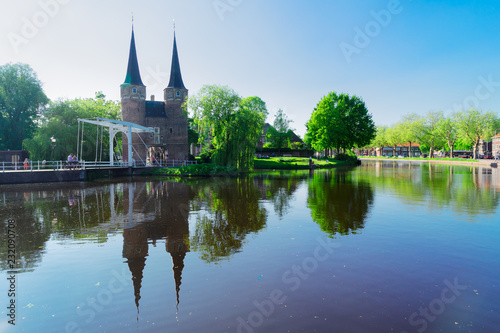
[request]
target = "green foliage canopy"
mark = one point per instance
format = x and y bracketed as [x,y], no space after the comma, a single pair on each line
[461,130]
[60,120]
[228,124]
[280,133]
[474,125]
[21,100]
[340,122]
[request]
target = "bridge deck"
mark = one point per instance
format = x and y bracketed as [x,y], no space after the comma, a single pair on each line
[66,175]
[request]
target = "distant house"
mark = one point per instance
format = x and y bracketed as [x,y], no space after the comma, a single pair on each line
[401,150]
[13,156]
[263,141]
[485,147]
[495,145]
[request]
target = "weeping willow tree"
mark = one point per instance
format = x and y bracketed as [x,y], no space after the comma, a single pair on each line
[229,127]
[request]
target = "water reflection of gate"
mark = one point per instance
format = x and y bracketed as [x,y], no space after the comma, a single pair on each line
[156,211]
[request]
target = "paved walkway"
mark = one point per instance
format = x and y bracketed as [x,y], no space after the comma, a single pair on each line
[466,162]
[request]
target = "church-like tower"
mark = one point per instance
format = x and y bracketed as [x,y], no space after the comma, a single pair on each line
[171,140]
[175,94]
[133,97]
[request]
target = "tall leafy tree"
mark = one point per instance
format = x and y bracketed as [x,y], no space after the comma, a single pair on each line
[246,129]
[409,129]
[380,139]
[474,126]
[213,108]
[280,133]
[193,135]
[393,137]
[228,124]
[21,100]
[340,122]
[429,131]
[448,131]
[60,120]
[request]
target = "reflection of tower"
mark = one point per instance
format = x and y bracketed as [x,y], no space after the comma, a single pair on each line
[161,212]
[177,243]
[135,250]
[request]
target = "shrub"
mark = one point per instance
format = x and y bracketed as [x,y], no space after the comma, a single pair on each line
[206,156]
[205,169]
[352,159]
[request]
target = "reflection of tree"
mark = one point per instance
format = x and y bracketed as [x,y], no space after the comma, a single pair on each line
[466,190]
[233,212]
[279,188]
[338,203]
[56,211]
[29,249]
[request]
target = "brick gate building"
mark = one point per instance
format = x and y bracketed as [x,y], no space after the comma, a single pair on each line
[171,124]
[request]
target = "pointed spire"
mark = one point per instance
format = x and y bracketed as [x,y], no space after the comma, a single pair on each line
[175,71]
[133,74]
[136,266]
[178,261]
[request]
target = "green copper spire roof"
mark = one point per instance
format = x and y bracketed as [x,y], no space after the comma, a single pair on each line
[133,74]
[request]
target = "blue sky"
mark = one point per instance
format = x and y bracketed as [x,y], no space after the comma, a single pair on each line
[402,56]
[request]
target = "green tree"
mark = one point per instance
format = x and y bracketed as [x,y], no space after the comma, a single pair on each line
[228,124]
[474,126]
[246,129]
[447,129]
[60,120]
[429,131]
[409,128]
[21,100]
[280,133]
[393,137]
[380,140]
[340,122]
[193,136]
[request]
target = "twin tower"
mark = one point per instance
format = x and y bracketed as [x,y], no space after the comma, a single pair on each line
[171,125]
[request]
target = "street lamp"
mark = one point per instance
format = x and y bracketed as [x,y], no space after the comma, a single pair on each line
[53,140]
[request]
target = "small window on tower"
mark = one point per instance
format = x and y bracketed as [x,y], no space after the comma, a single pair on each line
[178,93]
[134,90]
[171,130]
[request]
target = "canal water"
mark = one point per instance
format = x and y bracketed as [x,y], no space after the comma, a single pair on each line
[384,247]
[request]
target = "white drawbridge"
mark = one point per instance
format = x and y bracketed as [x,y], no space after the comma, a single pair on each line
[114,126]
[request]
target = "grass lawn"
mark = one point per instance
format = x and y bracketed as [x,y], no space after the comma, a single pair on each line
[209,169]
[294,163]
[206,169]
